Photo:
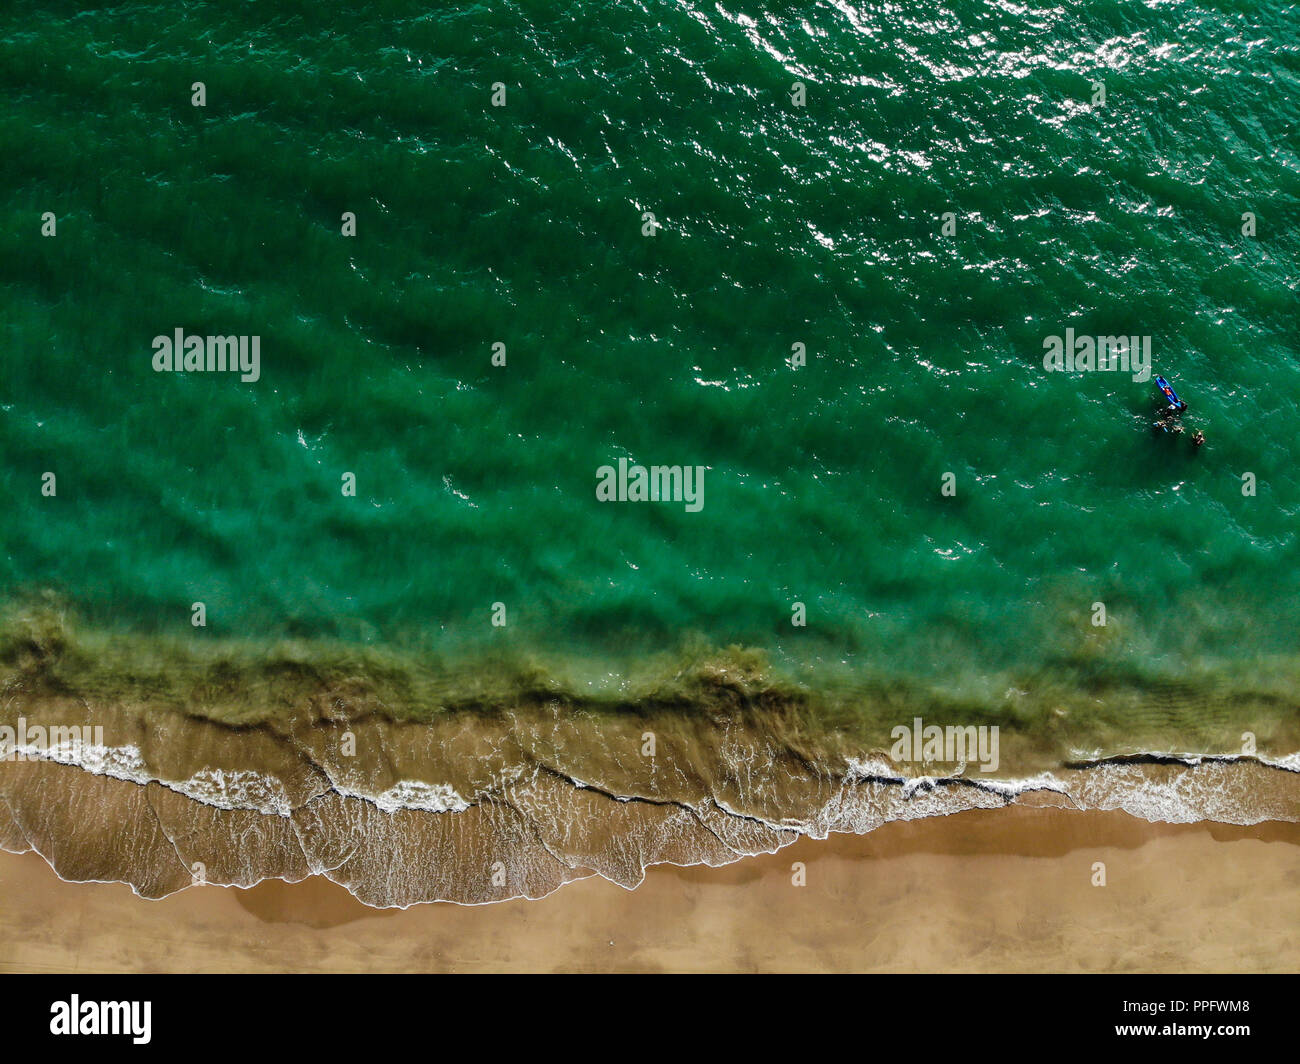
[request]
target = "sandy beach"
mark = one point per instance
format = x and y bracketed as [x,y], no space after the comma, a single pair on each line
[981,891]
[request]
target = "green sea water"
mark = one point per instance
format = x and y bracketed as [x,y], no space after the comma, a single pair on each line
[779,224]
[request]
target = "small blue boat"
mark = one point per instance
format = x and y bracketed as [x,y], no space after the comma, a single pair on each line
[1171,397]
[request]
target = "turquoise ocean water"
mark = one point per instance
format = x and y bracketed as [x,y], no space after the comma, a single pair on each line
[779,224]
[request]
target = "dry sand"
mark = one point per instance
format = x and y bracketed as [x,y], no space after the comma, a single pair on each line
[983,891]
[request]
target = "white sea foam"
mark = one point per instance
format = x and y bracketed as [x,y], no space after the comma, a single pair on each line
[413,794]
[873,791]
[871,768]
[119,762]
[865,795]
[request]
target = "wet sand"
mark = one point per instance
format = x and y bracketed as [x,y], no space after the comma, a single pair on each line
[981,891]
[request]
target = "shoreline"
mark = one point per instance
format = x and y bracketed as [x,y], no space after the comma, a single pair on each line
[529,836]
[528,786]
[991,890]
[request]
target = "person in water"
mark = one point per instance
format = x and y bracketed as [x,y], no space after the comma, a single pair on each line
[1198,438]
[1165,420]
